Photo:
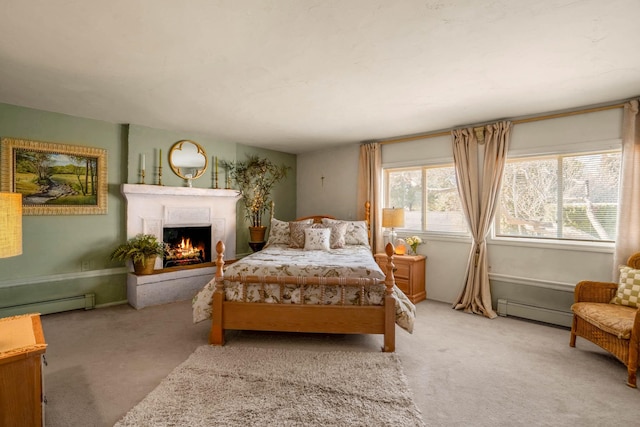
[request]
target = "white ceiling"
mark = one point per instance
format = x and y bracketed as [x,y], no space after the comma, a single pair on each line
[300,75]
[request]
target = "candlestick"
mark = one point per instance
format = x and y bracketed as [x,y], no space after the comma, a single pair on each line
[142,167]
[216,162]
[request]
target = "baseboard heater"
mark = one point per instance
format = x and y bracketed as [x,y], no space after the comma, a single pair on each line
[86,301]
[540,314]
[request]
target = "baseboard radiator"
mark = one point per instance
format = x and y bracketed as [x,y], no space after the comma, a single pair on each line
[86,301]
[540,314]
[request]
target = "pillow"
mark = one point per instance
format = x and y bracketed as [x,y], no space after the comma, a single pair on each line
[357,231]
[296,233]
[628,293]
[338,232]
[279,232]
[316,239]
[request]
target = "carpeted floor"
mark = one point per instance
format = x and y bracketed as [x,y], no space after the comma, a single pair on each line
[462,369]
[227,386]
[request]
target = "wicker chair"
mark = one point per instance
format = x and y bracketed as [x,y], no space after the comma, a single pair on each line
[615,328]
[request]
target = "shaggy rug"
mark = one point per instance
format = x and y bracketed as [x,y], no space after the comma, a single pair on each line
[227,386]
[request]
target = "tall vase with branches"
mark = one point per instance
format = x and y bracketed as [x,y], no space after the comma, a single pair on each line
[255,178]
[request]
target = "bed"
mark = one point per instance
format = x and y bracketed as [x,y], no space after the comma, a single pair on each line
[301,283]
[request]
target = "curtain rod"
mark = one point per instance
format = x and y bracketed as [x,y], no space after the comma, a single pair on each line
[513,121]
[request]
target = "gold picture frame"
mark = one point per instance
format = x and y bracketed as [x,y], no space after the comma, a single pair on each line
[55,179]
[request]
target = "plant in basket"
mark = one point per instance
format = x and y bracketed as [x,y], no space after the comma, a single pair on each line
[142,250]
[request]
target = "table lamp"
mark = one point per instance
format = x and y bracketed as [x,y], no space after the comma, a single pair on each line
[10,224]
[392,218]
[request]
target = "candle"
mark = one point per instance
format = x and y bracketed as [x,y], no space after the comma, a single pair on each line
[142,162]
[216,165]
[160,164]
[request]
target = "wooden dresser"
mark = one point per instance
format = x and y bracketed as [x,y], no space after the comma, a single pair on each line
[21,390]
[410,274]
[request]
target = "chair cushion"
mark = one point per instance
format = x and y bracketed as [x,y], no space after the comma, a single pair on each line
[611,318]
[628,288]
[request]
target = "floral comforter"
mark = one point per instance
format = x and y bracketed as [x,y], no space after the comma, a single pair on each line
[280,260]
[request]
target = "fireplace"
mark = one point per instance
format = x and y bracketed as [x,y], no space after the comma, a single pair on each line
[186,246]
[199,216]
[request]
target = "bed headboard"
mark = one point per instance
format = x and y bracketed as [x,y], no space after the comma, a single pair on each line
[317,219]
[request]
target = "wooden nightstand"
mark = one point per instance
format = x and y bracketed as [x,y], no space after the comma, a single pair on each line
[409,274]
[21,391]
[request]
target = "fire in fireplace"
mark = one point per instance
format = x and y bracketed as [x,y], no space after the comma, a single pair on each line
[186,245]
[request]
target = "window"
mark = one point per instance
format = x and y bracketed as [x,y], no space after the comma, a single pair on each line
[568,197]
[429,196]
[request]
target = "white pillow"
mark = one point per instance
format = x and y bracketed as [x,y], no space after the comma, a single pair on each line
[317,239]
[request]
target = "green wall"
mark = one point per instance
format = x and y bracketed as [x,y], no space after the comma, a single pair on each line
[149,141]
[56,247]
[65,256]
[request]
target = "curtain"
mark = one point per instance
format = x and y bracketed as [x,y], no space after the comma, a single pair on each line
[628,233]
[479,190]
[369,183]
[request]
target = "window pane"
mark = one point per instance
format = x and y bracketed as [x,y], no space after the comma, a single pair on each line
[429,196]
[590,196]
[405,190]
[561,197]
[444,211]
[528,199]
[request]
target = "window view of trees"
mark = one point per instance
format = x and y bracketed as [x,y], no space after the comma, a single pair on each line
[429,196]
[571,197]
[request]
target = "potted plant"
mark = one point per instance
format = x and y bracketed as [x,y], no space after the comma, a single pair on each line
[255,178]
[142,250]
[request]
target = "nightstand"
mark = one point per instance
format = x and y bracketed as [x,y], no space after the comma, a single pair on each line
[22,348]
[410,274]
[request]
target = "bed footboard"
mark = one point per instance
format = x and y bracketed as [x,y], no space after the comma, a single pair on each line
[340,319]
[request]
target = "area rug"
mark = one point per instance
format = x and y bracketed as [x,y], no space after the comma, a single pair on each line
[236,386]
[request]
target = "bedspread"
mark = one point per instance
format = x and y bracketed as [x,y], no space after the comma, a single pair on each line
[280,260]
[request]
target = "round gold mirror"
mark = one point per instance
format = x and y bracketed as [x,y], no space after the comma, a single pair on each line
[188,160]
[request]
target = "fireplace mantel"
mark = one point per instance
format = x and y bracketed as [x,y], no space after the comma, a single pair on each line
[161,190]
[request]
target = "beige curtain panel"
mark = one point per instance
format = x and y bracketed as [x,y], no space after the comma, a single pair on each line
[479,188]
[628,234]
[369,189]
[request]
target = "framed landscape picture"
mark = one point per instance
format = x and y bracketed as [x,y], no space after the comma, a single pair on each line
[55,179]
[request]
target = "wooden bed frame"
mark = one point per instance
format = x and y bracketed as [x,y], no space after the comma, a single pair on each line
[338,319]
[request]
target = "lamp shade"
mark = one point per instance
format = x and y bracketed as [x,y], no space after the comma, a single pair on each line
[393,217]
[10,224]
